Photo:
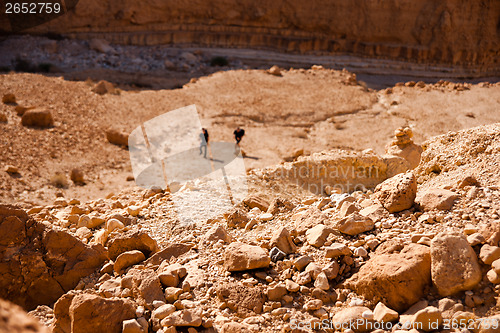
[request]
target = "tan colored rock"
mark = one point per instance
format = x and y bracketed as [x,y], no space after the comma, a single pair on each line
[114,224]
[375,212]
[321,281]
[217,233]
[282,240]
[489,324]
[11,169]
[332,270]
[317,235]
[301,262]
[489,254]
[439,199]
[398,278]
[186,317]
[131,326]
[163,311]
[37,118]
[352,318]
[277,292]
[307,219]
[127,259]
[236,218]
[454,265]
[313,305]
[14,319]
[234,327]
[131,240]
[145,286]
[112,313]
[172,294]
[382,313]
[336,250]
[9,98]
[240,257]
[397,193]
[428,319]
[103,87]
[291,286]
[354,224]
[117,137]
[347,208]
[253,201]
[275,70]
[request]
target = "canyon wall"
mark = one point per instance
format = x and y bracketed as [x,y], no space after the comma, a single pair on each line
[454,32]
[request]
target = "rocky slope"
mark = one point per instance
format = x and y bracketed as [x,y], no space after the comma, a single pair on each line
[462,33]
[299,112]
[421,249]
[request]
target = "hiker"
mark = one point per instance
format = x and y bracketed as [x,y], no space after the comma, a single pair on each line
[204,141]
[238,135]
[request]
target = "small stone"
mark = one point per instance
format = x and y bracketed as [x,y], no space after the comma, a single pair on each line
[172,294]
[274,70]
[336,250]
[355,224]
[317,235]
[322,281]
[291,286]
[10,169]
[382,313]
[163,311]
[240,257]
[281,239]
[9,98]
[277,292]
[133,210]
[439,199]
[489,253]
[332,270]
[185,317]
[37,118]
[114,224]
[131,326]
[397,193]
[128,259]
[360,252]
[301,262]
[475,239]
[313,305]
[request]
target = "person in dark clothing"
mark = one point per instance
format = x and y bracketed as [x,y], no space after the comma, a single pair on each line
[238,135]
[204,141]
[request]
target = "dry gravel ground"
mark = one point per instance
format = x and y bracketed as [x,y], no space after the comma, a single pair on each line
[313,110]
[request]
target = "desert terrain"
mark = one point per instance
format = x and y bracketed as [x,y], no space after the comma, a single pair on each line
[371,163]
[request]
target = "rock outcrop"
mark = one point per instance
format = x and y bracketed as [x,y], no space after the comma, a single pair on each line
[419,31]
[37,263]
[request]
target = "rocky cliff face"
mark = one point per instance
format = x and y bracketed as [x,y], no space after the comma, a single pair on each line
[459,32]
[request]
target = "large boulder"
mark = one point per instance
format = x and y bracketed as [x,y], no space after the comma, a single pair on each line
[397,193]
[37,118]
[131,240]
[454,265]
[242,257]
[86,313]
[396,279]
[38,264]
[13,319]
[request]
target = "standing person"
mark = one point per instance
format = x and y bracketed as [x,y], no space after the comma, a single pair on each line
[238,135]
[203,141]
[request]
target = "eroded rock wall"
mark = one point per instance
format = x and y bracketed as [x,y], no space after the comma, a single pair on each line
[448,31]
